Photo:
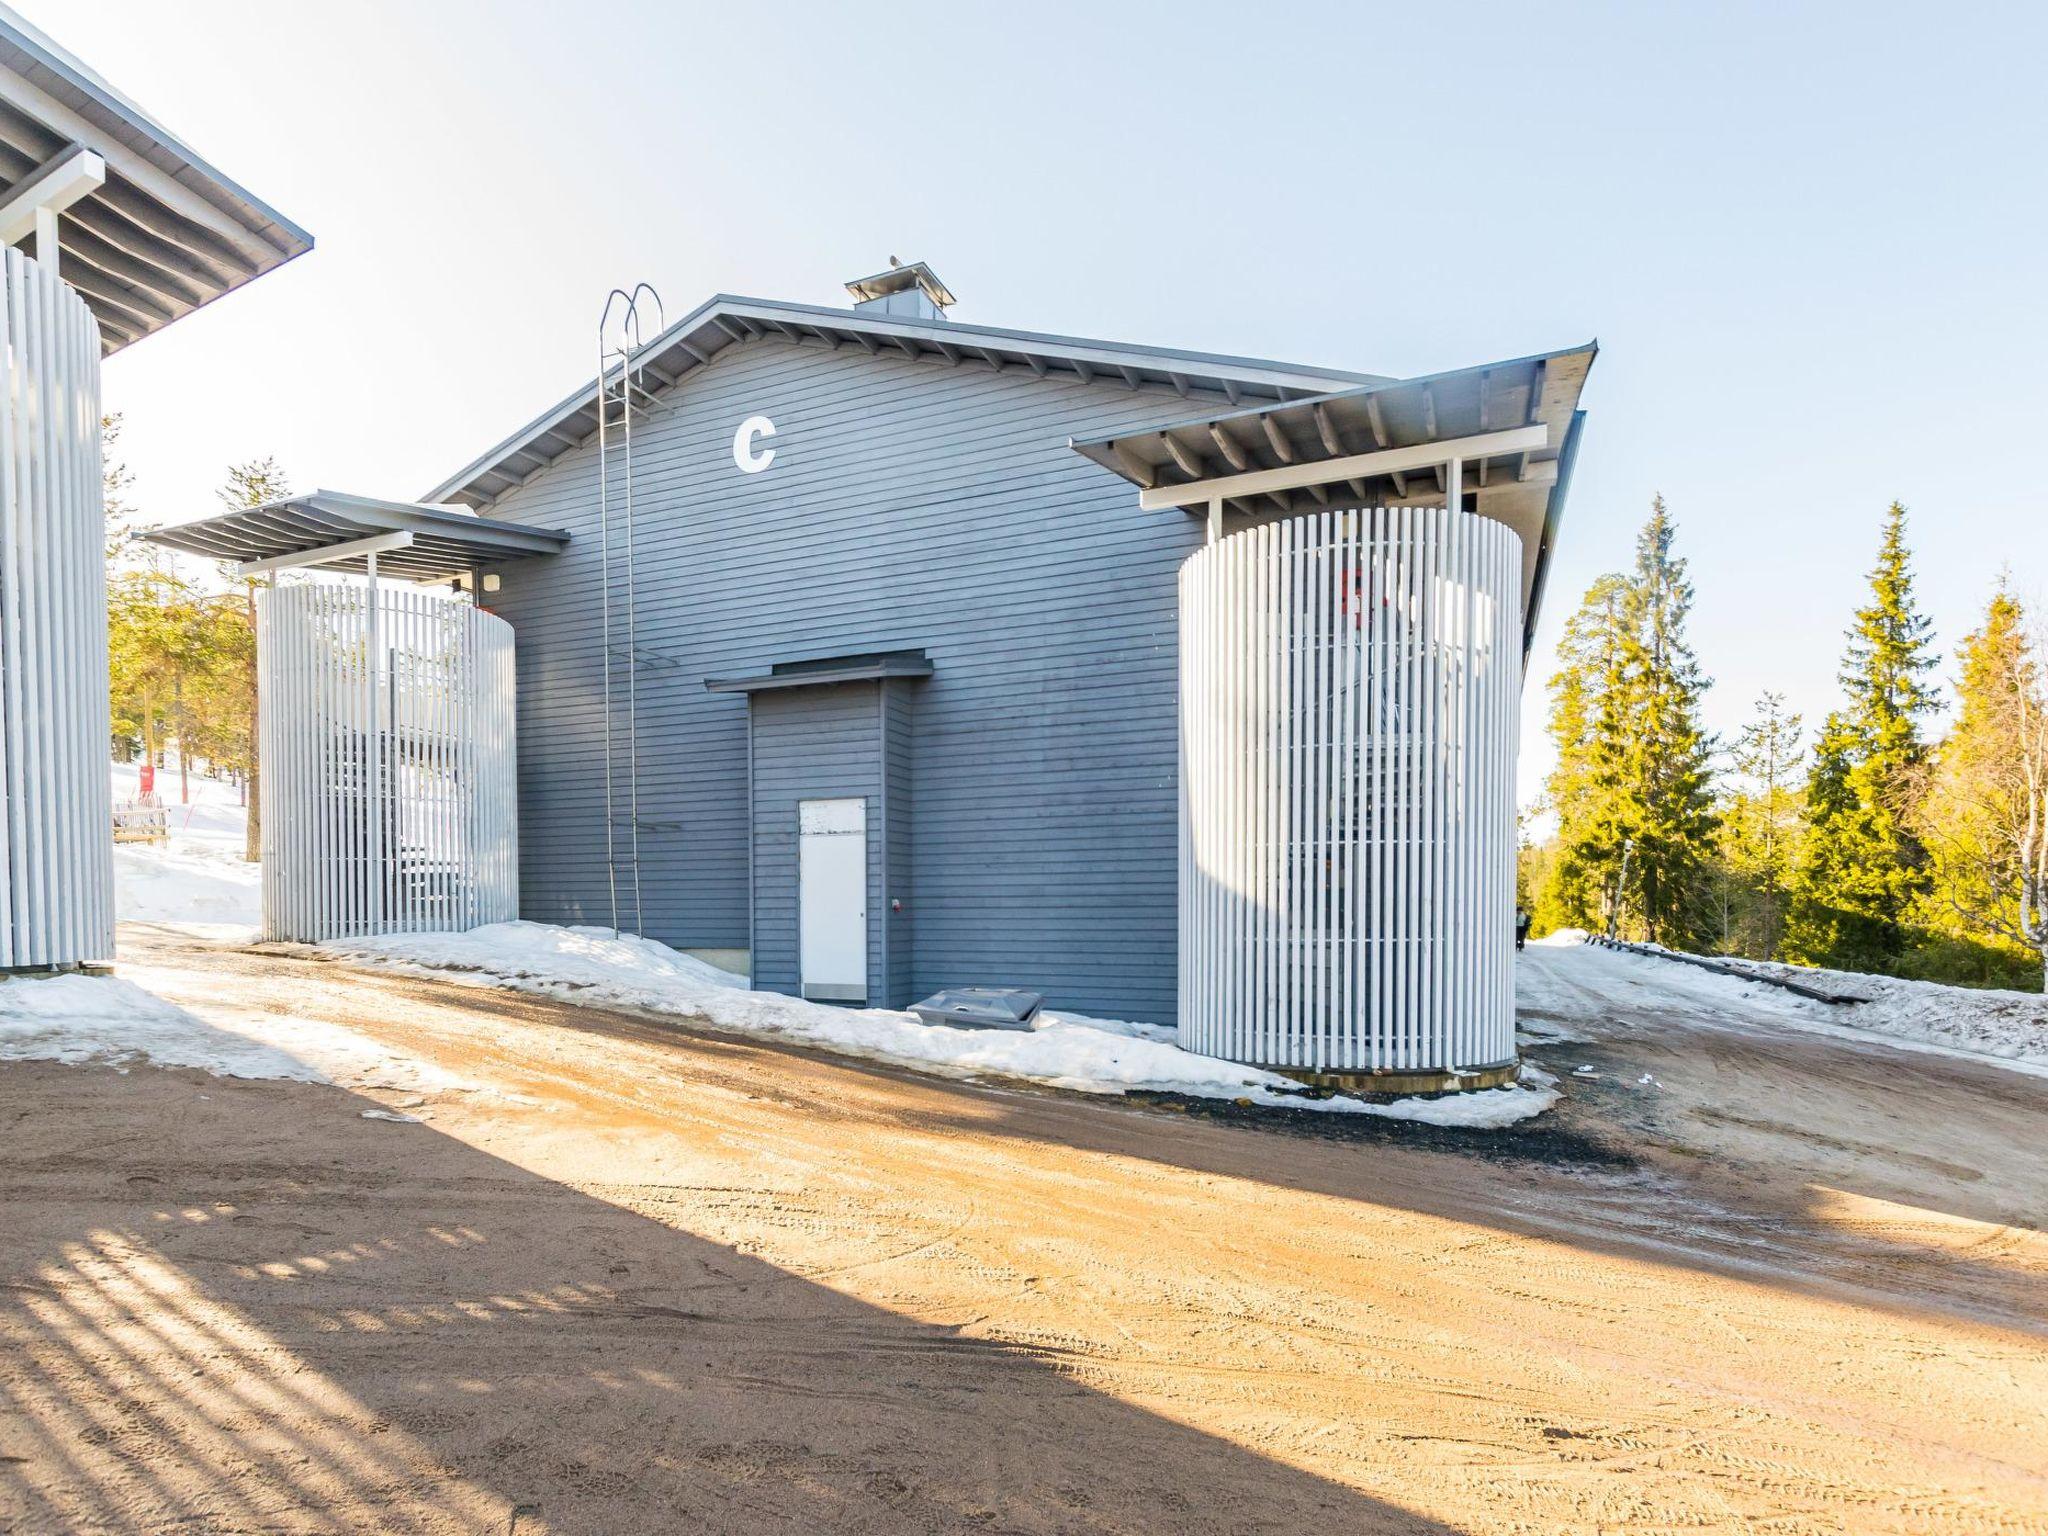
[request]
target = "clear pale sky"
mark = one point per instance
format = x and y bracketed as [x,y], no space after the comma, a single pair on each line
[1811,239]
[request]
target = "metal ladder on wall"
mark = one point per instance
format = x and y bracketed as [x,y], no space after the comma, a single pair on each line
[621,396]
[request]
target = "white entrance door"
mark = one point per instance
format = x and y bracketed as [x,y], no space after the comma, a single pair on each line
[832,899]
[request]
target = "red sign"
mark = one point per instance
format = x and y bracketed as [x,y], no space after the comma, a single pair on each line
[148,778]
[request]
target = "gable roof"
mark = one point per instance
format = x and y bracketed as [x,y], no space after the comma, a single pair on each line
[164,232]
[726,321]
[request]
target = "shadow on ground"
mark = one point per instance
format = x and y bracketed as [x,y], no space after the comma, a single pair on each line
[259,1336]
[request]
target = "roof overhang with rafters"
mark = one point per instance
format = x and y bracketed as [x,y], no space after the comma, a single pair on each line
[442,542]
[149,231]
[726,321]
[1513,426]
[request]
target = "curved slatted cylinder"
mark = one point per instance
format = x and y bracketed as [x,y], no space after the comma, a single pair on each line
[1350,685]
[389,788]
[56,805]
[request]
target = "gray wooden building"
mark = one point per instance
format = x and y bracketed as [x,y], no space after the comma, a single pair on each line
[890,699]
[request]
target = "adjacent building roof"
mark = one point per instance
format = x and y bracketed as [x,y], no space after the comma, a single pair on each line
[164,232]
[726,321]
[445,543]
[1524,487]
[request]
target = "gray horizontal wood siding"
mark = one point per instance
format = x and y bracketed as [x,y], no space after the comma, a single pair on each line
[899,895]
[909,505]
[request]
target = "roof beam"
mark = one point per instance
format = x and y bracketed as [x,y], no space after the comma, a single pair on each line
[1134,467]
[73,172]
[1333,444]
[1232,450]
[136,301]
[354,549]
[86,244]
[1360,466]
[1190,463]
[1378,421]
[1283,450]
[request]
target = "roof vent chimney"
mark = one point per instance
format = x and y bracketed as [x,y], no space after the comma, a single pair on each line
[911,292]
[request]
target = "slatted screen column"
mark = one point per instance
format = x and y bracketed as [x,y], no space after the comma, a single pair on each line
[56,804]
[389,780]
[1350,690]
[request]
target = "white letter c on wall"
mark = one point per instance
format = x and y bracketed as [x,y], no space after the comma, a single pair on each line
[743,454]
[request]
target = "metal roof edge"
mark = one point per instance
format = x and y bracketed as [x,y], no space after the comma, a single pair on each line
[951,332]
[18,32]
[1553,520]
[1098,448]
[378,512]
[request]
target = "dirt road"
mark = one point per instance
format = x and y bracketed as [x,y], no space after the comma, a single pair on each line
[630,1278]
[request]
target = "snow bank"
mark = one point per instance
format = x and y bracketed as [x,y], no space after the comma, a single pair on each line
[198,882]
[105,1019]
[2013,1025]
[1581,989]
[1562,938]
[591,965]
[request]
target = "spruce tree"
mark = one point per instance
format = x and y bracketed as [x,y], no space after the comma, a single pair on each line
[1585,711]
[1865,867]
[1665,801]
[1632,789]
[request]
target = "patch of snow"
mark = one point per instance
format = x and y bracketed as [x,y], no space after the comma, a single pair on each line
[1562,938]
[198,881]
[213,896]
[105,1019]
[1588,989]
[1060,1050]
[1981,1019]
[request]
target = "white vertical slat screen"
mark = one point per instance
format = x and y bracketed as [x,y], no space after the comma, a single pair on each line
[389,779]
[1350,687]
[56,804]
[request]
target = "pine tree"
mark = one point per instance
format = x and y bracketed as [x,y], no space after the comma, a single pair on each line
[1865,868]
[1584,723]
[115,480]
[1665,803]
[1760,830]
[251,484]
[1984,816]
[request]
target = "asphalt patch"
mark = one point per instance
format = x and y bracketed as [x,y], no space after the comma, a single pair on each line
[1538,1140]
